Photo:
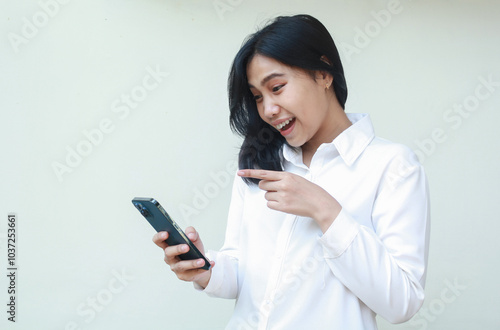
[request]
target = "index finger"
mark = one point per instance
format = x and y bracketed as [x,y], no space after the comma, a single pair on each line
[260,174]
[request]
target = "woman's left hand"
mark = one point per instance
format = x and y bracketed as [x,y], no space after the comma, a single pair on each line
[291,193]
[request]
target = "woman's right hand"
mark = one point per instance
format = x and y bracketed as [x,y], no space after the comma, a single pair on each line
[186,270]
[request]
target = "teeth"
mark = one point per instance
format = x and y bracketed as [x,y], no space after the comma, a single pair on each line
[283,124]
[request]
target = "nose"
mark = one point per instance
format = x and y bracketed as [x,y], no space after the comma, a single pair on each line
[271,109]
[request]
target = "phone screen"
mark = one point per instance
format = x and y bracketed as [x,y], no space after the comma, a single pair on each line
[156,215]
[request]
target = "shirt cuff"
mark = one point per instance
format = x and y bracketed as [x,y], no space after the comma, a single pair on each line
[215,278]
[339,235]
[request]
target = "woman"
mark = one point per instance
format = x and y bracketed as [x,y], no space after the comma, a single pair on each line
[328,224]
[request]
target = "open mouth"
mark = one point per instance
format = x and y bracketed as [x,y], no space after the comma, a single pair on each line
[285,125]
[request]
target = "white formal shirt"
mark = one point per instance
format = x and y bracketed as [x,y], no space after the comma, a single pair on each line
[285,273]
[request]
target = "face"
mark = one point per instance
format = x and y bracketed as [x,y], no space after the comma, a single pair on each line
[291,101]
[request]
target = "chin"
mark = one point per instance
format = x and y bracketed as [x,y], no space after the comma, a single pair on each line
[294,143]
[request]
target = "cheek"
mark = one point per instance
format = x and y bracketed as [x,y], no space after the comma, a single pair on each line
[260,112]
[308,124]
[304,126]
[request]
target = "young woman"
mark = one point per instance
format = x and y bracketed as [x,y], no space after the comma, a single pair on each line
[328,224]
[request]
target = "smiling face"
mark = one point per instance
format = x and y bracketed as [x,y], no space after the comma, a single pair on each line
[294,103]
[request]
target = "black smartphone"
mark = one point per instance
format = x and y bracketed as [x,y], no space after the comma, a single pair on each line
[161,221]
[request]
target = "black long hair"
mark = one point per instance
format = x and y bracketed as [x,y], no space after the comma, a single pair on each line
[299,41]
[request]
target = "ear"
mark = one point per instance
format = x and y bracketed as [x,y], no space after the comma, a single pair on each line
[324,78]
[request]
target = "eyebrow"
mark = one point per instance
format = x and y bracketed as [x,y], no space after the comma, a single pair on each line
[267,78]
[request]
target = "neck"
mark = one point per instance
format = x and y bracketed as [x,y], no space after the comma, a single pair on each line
[335,123]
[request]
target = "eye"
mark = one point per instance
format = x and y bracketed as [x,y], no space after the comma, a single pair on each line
[257,98]
[277,88]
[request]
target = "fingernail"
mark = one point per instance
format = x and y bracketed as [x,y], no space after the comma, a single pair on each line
[191,236]
[241,172]
[185,248]
[200,262]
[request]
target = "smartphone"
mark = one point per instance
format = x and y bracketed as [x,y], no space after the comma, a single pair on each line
[161,221]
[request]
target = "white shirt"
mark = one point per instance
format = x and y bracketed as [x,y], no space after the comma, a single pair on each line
[286,274]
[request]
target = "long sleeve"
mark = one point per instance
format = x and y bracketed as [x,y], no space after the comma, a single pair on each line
[384,266]
[285,273]
[224,280]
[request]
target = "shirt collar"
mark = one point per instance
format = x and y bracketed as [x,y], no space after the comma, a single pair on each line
[349,144]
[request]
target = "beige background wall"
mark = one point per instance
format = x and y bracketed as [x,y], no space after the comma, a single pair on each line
[102,101]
